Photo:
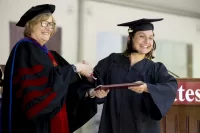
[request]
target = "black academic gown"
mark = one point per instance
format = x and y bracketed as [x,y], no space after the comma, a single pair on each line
[41,97]
[126,111]
[1,77]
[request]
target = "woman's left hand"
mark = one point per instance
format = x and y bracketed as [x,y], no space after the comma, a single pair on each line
[100,93]
[139,89]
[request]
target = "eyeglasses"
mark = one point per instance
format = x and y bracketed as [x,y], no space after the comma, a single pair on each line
[46,24]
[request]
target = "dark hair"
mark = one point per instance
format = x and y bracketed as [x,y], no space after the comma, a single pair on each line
[130,49]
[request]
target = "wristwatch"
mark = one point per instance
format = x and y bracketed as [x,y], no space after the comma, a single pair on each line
[90,92]
[74,68]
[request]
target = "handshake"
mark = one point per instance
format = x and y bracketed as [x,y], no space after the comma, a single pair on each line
[85,69]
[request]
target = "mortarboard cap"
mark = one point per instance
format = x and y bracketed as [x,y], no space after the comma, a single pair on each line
[140,25]
[34,11]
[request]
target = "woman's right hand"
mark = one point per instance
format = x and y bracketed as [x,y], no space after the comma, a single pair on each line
[84,69]
[100,93]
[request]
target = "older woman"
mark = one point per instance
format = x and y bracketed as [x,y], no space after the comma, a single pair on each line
[39,83]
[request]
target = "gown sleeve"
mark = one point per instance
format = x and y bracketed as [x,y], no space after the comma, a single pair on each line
[1,79]
[38,86]
[80,109]
[101,69]
[162,92]
[100,72]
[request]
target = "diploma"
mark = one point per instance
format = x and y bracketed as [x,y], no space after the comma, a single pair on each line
[118,86]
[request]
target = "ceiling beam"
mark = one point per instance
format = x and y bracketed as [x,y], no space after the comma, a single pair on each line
[151,7]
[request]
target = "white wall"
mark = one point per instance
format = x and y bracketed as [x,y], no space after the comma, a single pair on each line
[104,18]
[98,17]
[12,10]
[185,5]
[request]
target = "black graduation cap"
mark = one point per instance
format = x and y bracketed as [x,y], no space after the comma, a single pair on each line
[34,11]
[140,25]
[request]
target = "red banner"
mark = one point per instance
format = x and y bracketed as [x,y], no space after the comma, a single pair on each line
[188,92]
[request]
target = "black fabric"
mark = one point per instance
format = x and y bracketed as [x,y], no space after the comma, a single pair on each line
[34,72]
[80,111]
[125,111]
[34,11]
[1,77]
[140,24]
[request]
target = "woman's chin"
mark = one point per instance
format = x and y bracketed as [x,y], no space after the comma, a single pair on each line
[144,52]
[45,39]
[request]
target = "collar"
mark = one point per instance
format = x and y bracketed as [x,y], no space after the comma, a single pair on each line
[36,43]
[124,60]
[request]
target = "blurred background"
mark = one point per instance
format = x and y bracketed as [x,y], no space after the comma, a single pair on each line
[87,30]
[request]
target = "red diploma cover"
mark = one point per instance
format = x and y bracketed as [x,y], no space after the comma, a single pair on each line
[118,86]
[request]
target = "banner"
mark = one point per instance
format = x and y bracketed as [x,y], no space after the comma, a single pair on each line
[188,92]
